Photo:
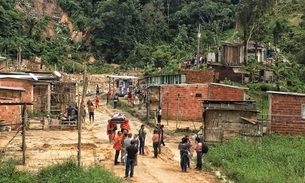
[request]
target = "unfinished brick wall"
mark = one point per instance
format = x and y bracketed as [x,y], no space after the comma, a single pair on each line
[285,114]
[11,114]
[189,105]
[191,98]
[198,76]
[27,85]
[223,92]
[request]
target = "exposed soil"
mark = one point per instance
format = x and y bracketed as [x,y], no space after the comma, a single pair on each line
[46,147]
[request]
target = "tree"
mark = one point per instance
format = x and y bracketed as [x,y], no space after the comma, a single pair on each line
[249,13]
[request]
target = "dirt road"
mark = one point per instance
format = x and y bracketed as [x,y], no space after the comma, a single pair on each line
[45,147]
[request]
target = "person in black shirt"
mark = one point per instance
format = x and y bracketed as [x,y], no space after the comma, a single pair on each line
[131,151]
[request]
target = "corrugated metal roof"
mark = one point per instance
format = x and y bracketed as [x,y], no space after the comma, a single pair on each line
[29,76]
[122,77]
[11,88]
[219,84]
[287,93]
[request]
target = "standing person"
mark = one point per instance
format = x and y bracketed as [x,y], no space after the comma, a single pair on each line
[190,149]
[159,113]
[155,139]
[97,101]
[123,137]
[162,132]
[136,142]
[91,113]
[125,144]
[97,89]
[199,153]
[69,111]
[125,125]
[111,129]
[89,103]
[184,149]
[117,145]
[159,131]
[131,159]
[115,100]
[142,136]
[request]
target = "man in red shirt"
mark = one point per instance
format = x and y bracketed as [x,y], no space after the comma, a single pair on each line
[117,145]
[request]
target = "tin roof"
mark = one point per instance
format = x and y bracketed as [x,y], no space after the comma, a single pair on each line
[122,77]
[12,88]
[30,76]
[232,86]
[287,93]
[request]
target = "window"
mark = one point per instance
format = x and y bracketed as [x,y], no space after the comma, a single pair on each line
[303,111]
[199,95]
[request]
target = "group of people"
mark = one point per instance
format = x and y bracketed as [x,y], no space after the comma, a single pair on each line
[127,145]
[186,148]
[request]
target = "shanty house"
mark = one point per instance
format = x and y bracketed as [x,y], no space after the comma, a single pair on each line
[43,90]
[184,101]
[225,119]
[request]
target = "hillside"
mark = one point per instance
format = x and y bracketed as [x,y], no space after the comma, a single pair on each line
[149,34]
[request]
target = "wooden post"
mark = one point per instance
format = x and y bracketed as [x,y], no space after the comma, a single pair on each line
[79,123]
[23,134]
[177,111]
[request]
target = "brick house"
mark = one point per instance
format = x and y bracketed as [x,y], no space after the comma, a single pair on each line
[43,90]
[200,76]
[187,98]
[286,113]
[11,114]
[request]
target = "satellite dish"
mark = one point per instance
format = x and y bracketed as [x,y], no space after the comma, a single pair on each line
[33,76]
[57,73]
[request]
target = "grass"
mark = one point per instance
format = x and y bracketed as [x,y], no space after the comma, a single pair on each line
[67,171]
[276,159]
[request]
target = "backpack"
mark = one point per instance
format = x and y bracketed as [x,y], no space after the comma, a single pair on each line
[205,148]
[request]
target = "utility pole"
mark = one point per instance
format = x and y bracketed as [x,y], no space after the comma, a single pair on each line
[198,46]
[80,114]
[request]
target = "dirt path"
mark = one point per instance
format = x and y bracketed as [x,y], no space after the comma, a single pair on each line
[45,147]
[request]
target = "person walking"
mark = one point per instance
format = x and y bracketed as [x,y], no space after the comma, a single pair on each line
[142,136]
[159,113]
[97,101]
[115,100]
[91,113]
[125,125]
[111,129]
[117,145]
[131,159]
[199,153]
[155,139]
[184,150]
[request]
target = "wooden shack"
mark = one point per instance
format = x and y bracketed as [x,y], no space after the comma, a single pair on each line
[225,119]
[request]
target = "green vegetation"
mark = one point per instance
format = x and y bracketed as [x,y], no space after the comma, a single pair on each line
[276,159]
[67,171]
